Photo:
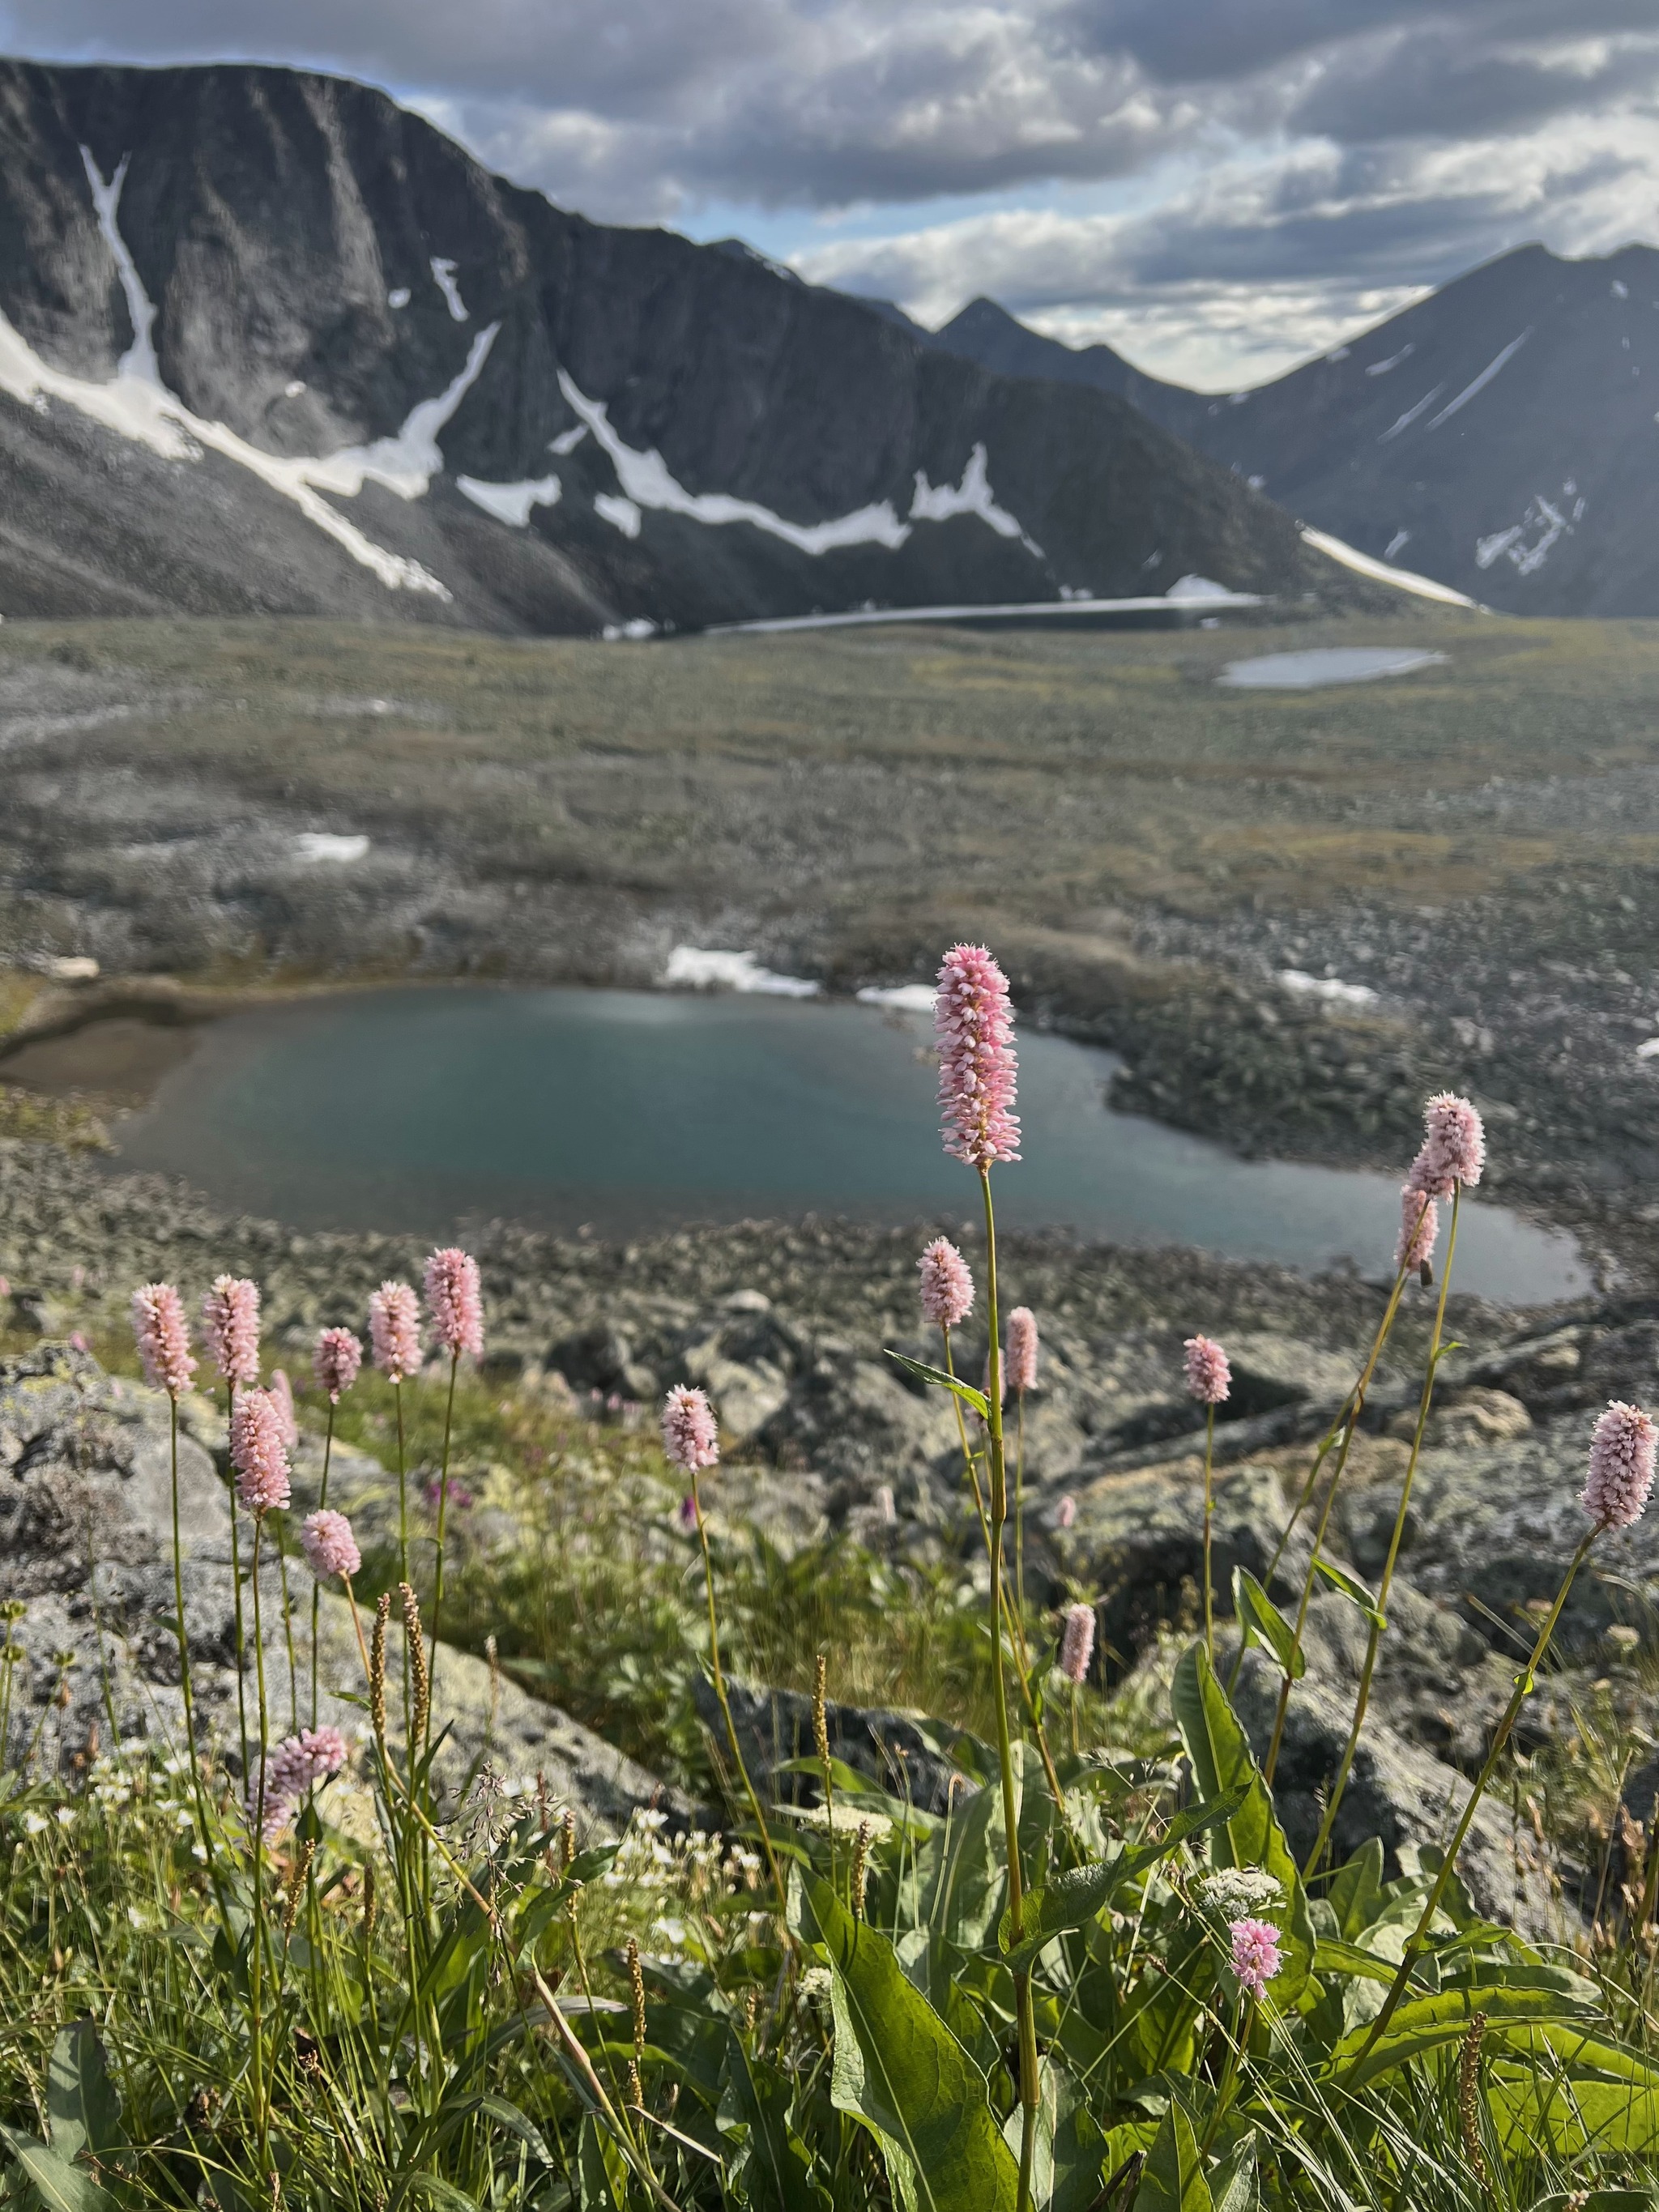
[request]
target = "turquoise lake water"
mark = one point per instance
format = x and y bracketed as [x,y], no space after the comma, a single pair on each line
[422,1110]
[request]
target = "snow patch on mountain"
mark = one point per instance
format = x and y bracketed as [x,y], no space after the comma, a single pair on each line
[1406,580]
[443,274]
[1481,382]
[139,360]
[511,503]
[973,496]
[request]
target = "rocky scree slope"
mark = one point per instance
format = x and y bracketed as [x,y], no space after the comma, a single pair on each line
[272,344]
[1499,437]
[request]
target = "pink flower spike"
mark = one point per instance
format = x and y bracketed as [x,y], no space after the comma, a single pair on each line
[1453,1147]
[394,1330]
[689,1435]
[1020,1361]
[297,1763]
[257,1452]
[947,1288]
[1256,1955]
[330,1548]
[1076,1643]
[335,1361]
[1420,1227]
[163,1339]
[282,1391]
[230,1319]
[455,1302]
[1209,1378]
[1065,1512]
[1620,1467]
[974,1025]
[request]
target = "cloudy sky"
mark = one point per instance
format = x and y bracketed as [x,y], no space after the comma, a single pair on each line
[1216,187]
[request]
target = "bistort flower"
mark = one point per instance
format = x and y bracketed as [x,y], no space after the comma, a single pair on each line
[973,1024]
[1256,1957]
[947,1288]
[455,1302]
[1019,1371]
[335,1363]
[330,1548]
[257,1452]
[230,1322]
[1209,1378]
[394,1330]
[1076,1643]
[689,1434]
[163,1339]
[1620,1467]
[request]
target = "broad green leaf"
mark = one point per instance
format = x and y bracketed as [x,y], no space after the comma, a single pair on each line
[1233,2184]
[963,1871]
[1077,2145]
[1351,1586]
[976,1400]
[1334,1956]
[1428,2022]
[521,2125]
[60,2186]
[900,2070]
[770,2167]
[601,2169]
[84,2112]
[1074,1899]
[1260,1621]
[1222,1761]
[1173,2178]
[1355,1890]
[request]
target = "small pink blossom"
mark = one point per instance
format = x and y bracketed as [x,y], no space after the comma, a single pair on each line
[257,1452]
[77,1342]
[1065,1512]
[1420,1227]
[1209,1378]
[1076,1643]
[689,1434]
[455,1302]
[973,1024]
[297,1763]
[330,1548]
[163,1339]
[1620,1467]
[1453,1147]
[394,1329]
[947,1288]
[685,1515]
[1255,1958]
[230,1321]
[335,1363]
[886,1506]
[1020,1366]
[282,1393]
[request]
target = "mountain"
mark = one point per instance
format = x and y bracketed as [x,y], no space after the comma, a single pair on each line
[1502,435]
[269,343]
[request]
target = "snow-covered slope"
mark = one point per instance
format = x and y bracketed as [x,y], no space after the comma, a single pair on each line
[269,342]
[1501,436]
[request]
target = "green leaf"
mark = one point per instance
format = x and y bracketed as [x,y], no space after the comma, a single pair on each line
[1233,2185]
[1173,2178]
[1355,1889]
[1260,1621]
[1074,1899]
[1221,1757]
[60,2186]
[1335,1956]
[976,1400]
[601,2169]
[521,2125]
[1428,2022]
[771,2168]
[1351,1586]
[900,2070]
[84,2112]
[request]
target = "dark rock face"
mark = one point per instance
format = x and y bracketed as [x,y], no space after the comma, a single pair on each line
[1497,436]
[905,1754]
[316,264]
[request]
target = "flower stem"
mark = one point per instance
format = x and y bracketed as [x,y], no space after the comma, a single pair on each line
[316,1587]
[1025,2014]
[261,2102]
[1373,1642]
[236,1588]
[725,1702]
[1209,1516]
[1416,1943]
[443,1507]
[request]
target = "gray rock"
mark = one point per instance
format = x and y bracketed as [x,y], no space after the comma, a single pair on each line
[86,1550]
[905,1754]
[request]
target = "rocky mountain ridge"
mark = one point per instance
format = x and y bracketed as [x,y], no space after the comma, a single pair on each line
[1499,437]
[270,344]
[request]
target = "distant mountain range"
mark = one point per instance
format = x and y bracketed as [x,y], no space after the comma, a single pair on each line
[1502,435]
[269,343]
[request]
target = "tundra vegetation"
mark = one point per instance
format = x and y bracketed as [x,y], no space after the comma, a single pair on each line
[297,1969]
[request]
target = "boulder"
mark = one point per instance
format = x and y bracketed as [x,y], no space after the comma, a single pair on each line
[86,1552]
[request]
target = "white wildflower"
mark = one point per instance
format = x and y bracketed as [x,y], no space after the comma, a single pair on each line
[848,1819]
[816,1984]
[1234,1890]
